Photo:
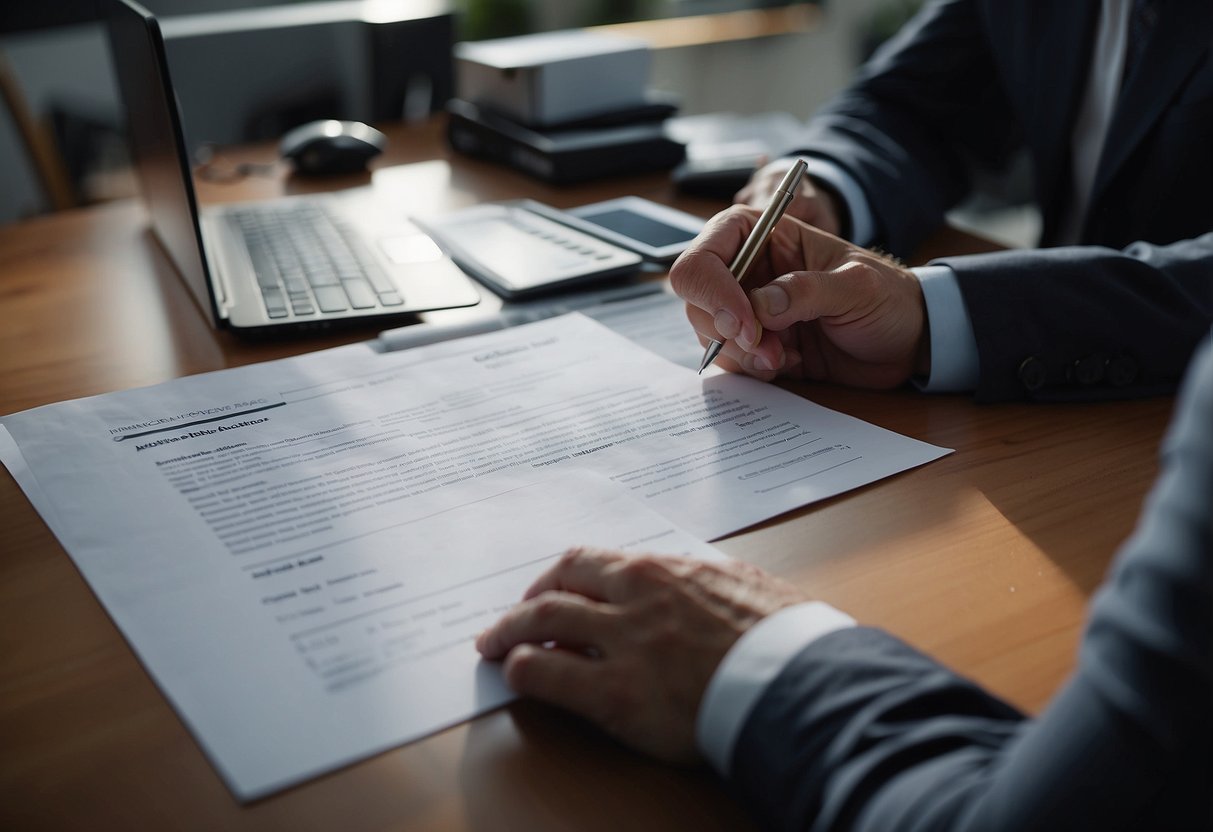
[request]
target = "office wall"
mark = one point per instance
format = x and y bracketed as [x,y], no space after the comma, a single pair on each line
[795,72]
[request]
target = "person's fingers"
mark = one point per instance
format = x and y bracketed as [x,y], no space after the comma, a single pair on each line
[710,287]
[809,295]
[561,677]
[866,320]
[562,617]
[584,570]
[675,620]
[763,362]
[804,204]
[722,237]
[706,330]
[604,574]
[810,204]
[719,309]
[761,367]
[813,355]
[702,278]
[701,323]
[760,185]
[708,327]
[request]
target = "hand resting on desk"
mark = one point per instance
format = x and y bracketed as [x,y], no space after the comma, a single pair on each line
[632,640]
[858,730]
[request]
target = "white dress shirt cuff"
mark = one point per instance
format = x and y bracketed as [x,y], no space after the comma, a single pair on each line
[954,361]
[863,224]
[752,664]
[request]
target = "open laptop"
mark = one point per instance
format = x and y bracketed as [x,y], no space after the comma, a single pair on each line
[293,264]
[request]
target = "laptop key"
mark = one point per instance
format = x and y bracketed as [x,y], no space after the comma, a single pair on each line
[322,265]
[266,271]
[275,302]
[361,294]
[379,280]
[330,299]
[322,276]
[295,285]
[364,262]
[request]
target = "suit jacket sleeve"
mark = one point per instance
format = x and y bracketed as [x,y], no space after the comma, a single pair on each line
[1086,323]
[861,731]
[918,115]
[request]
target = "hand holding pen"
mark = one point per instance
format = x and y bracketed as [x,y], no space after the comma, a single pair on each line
[813,306]
[780,199]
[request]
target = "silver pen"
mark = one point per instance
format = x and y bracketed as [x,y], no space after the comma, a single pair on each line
[753,244]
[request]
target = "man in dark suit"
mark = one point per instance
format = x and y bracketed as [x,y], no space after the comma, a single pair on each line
[1113,102]
[820,724]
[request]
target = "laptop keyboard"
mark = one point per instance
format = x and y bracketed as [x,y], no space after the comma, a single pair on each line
[308,264]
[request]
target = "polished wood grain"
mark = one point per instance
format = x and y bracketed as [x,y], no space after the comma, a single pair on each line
[985,558]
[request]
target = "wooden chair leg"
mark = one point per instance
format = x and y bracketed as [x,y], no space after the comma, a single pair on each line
[48,163]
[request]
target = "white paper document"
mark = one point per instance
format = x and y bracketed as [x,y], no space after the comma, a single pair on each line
[302,551]
[657,322]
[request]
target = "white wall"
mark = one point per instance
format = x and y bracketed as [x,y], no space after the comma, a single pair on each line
[795,72]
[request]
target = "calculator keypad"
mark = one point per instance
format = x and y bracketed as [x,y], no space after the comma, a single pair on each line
[519,251]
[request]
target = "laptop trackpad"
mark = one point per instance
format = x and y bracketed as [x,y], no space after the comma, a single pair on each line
[411,248]
[427,278]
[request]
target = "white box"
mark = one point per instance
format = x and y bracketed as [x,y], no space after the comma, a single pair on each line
[553,77]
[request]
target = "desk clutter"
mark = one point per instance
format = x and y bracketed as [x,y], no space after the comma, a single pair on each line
[561,106]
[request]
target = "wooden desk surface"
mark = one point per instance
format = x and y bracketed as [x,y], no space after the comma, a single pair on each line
[985,558]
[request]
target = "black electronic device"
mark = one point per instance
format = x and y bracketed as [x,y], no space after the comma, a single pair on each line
[329,147]
[564,155]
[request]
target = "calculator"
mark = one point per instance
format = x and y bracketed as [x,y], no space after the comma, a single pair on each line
[518,251]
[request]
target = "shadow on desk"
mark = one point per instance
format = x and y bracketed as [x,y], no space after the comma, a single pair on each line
[534,767]
[984,555]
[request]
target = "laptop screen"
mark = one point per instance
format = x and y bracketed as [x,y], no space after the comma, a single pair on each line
[157,144]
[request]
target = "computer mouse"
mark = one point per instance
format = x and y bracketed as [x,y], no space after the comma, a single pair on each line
[321,148]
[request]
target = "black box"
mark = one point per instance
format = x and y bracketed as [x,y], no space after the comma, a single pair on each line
[568,154]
